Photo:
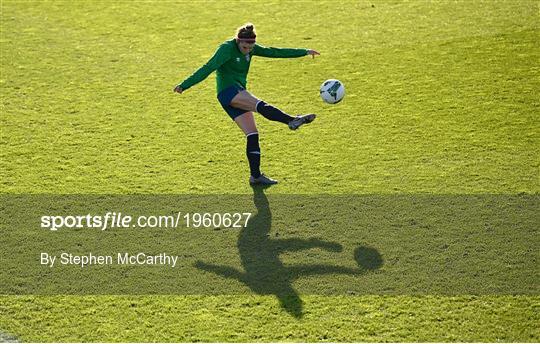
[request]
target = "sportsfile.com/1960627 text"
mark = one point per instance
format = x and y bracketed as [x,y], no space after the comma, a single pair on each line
[111,220]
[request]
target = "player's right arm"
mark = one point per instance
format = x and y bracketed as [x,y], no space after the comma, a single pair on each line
[221,56]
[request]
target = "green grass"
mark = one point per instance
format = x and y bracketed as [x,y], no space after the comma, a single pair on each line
[382,245]
[441,97]
[259,318]
[442,102]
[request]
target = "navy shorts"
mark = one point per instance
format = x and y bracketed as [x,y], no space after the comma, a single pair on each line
[226,96]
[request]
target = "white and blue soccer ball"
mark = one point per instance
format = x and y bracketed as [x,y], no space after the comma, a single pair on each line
[332,91]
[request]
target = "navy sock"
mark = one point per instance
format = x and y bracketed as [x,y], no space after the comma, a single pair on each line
[253,152]
[272,113]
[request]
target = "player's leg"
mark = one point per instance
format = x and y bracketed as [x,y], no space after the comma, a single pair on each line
[246,122]
[246,101]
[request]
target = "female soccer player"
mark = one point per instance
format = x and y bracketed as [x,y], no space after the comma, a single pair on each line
[231,62]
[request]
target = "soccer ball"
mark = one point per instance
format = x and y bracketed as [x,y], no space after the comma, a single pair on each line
[332,91]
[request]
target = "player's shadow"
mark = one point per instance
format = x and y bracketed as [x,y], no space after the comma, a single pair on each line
[265,274]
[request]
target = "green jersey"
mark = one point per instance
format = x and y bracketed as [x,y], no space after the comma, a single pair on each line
[232,66]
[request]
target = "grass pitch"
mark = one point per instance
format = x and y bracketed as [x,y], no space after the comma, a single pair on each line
[442,99]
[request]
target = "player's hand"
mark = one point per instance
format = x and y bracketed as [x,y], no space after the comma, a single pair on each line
[313,53]
[178,89]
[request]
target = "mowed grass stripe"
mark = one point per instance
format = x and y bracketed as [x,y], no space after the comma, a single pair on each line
[259,318]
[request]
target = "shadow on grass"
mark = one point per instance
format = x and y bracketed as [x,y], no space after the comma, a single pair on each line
[265,274]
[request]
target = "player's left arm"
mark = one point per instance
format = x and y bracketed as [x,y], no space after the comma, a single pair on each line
[260,50]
